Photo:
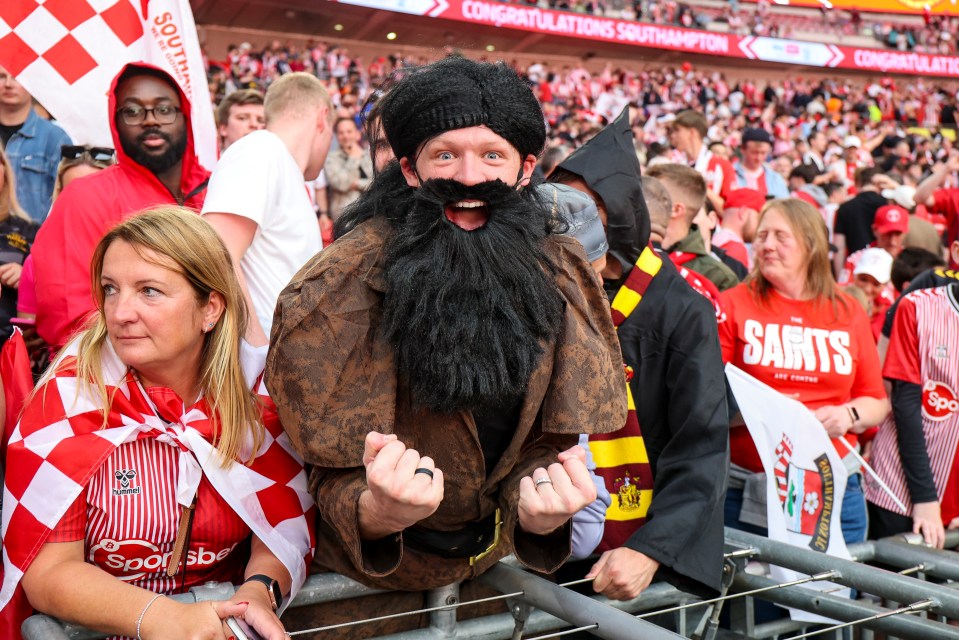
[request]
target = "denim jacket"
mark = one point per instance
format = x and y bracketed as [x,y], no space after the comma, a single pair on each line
[34,153]
[775,184]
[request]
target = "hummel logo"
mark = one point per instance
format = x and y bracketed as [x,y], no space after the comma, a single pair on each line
[125,476]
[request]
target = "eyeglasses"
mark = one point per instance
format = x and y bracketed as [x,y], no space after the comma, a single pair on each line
[75,152]
[135,114]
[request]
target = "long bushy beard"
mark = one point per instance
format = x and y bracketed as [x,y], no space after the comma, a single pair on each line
[156,164]
[466,311]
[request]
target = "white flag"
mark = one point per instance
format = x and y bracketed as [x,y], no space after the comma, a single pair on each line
[609,105]
[66,53]
[805,477]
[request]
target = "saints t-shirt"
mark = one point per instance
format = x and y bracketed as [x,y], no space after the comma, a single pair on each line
[807,349]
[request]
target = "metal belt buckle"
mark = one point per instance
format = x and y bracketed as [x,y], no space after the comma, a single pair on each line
[496,535]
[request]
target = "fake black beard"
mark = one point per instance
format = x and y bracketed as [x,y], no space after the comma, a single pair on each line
[154,163]
[465,311]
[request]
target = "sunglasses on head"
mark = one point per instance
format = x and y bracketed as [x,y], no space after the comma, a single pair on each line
[75,152]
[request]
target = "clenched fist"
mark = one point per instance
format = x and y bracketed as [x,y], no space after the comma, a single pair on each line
[550,497]
[397,496]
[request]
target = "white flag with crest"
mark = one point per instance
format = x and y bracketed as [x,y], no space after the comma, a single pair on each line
[67,52]
[805,477]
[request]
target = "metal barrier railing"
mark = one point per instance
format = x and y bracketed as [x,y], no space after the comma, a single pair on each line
[538,606]
[906,586]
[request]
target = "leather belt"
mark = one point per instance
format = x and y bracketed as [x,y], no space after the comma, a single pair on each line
[474,541]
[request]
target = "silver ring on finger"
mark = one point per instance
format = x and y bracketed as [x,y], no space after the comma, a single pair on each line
[424,471]
[537,483]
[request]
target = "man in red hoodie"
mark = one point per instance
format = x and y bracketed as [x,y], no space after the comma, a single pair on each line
[156,165]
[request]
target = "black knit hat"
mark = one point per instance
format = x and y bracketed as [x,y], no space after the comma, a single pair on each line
[456,93]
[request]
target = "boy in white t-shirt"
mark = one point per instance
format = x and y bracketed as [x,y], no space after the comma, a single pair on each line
[258,202]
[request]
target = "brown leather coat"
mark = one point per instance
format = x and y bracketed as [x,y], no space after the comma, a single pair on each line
[333,378]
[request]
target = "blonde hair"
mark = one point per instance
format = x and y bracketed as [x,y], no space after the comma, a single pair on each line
[202,258]
[68,163]
[808,226]
[689,186]
[298,95]
[857,294]
[9,204]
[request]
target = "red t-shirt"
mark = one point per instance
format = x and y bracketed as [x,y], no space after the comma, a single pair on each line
[128,518]
[735,249]
[947,204]
[802,348]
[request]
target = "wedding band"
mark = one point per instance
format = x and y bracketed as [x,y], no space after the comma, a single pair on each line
[424,471]
[536,483]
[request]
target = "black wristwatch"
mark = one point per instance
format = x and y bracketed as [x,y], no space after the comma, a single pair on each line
[272,587]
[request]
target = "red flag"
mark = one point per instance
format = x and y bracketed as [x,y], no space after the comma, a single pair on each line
[17,383]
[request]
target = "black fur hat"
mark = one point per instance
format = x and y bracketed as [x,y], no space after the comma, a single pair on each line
[456,93]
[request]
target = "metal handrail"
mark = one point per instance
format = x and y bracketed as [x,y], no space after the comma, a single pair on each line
[556,607]
[887,584]
[577,609]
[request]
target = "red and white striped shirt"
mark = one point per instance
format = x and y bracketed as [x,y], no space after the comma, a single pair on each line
[718,172]
[128,518]
[924,349]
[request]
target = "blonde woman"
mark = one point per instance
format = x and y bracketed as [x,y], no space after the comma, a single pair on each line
[790,326]
[17,232]
[78,161]
[150,460]
[75,162]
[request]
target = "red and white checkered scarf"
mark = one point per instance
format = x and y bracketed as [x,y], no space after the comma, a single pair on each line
[59,445]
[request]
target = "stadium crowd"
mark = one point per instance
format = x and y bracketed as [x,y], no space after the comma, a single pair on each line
[764,18]
[735,206]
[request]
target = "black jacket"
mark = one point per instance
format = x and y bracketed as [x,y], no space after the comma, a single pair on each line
[854,219]
[672,343]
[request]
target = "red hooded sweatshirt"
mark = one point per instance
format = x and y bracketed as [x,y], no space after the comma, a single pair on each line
[85,211]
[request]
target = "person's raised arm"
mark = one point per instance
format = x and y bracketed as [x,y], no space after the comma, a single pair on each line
[237,234]
[926,188]
[874,142]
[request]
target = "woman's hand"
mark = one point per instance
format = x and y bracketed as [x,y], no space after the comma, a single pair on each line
[167,619]
[259,612]
[835,419]
[927,520]
[10,274]
[550,497]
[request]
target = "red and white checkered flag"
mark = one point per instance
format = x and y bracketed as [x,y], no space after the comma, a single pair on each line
[59,445]
[66,53]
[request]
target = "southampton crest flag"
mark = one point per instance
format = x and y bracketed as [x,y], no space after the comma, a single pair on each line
[805,477]
[66,52]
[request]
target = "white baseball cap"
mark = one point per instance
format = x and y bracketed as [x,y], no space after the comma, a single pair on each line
[851,141]
[903,195]
[875,262]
